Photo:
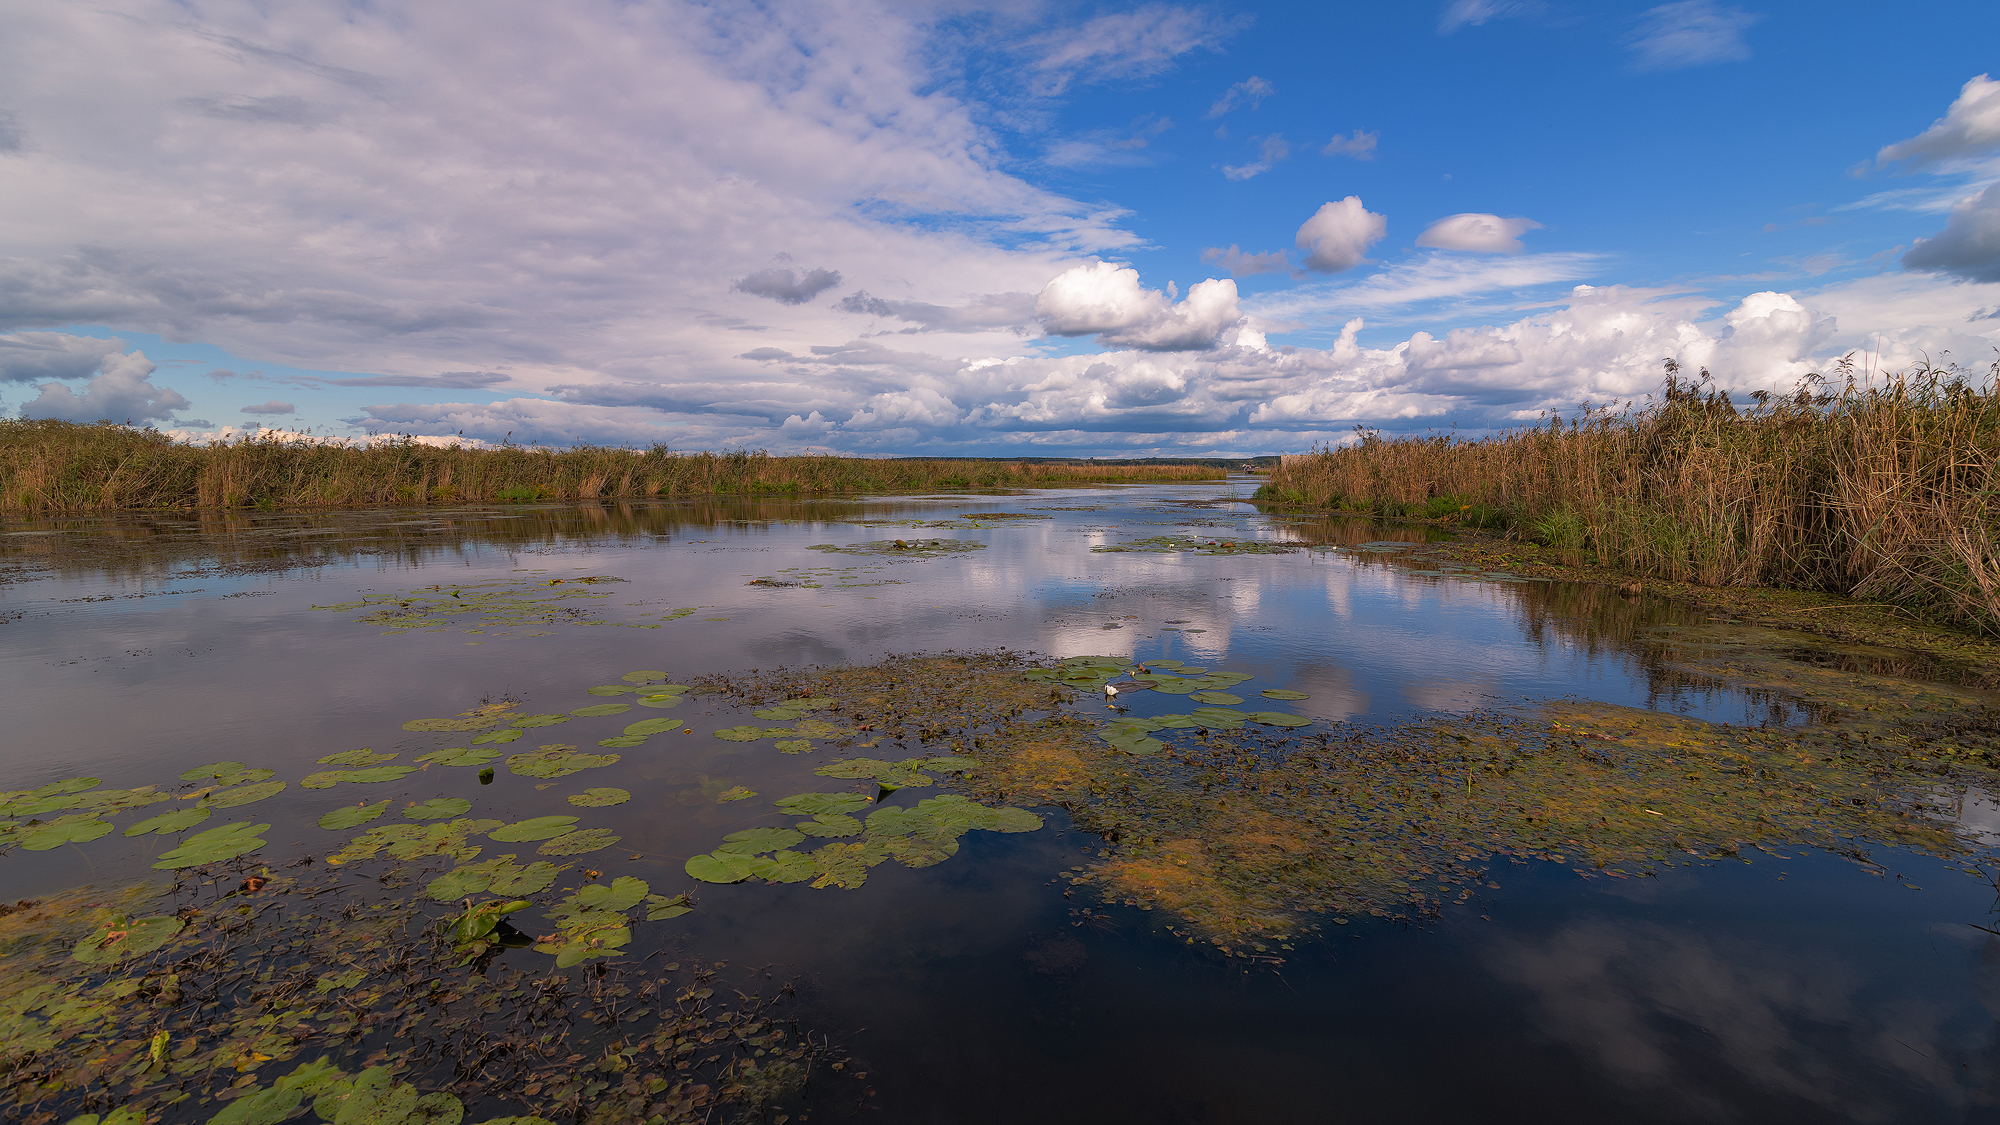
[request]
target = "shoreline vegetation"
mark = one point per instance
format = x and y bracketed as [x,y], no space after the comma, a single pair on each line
[1883,492]
[52,467]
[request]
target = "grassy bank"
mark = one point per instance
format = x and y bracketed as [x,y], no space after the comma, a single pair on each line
[48,466]
[1885,493]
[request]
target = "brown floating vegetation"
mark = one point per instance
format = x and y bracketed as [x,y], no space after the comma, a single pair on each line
[1885,491]
[52,466]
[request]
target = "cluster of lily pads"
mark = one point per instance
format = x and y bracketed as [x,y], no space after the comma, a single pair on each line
[916,836]
[1133,734]
[917,548]
[533,605]
[1197,545]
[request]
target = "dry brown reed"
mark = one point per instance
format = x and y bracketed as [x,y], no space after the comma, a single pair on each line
[48,466]
[1882,489]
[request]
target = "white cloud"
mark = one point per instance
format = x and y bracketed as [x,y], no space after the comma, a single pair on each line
[1970,127]
[271,407]
[121,391]
[1360,146]
[787,286]
[1240,264]
[1138,43]
[1338,235]
[1251,91]
[1434,277]
[26,356]
[1968,246]
[1472,13]
[1485,234]
[1270,150]
[1107,301]
[1690,33]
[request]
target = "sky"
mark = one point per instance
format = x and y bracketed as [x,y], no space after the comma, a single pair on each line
[881,227]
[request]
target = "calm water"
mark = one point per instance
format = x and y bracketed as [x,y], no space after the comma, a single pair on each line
[1787,989]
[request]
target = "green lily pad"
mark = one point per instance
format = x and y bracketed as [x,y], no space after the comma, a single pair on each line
[741,734]
[598,709]
[330,982]
[830,824]
[659,908]
[493,736]
[480,723]
[243,794]
[1221,697]
[623,740]
[539,828]
[353,816]
[502,876]
[60,831]
[793,745]
[722,867]
[752,841]
[438,808]
[460,756]
[225,774]
[180,820]
[621,894]
[1278,719]
[613,689]
[599,797]
[1283,693]
[361,757]
[813,804]
[327,779]
[415,841]
[214,845]
[643,676]
[577,843]
[528,722]
[785,867]
[661,699]
[551,762]
[121,938]
[645,727]
[117,800]
[265,1107]
[735,793]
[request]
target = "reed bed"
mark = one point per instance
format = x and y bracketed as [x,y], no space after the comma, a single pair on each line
[51,467]
[1879,489]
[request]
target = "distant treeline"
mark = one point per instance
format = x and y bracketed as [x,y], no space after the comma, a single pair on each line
[50,466]
[1238,464]
[1884,492]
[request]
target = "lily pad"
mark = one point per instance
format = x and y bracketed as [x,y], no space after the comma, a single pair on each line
[539,828]
[439,808]
[121,938]
[659,908]
[551,762]
[599,797]
[599,709]
[502,876]
[180,820]
[460,756]
[623,741]
[645,727]
[415,841]
[735,793]
[793,745]
[243,794]
[813,804]
[613,689]
[643,676]
[60,831]
[214,845]
[753,841]
[1278,719]
[662,699]
[577,843]
[785,867]
[361,757]
[830,824]
[327,779]
[528,722]
[495,736]
[1283,693]
[480,723]
[264,1107]
[224,774]
[621,894]
[722,867]
[117,800]
[741,734]
[353,816]
[1220,697]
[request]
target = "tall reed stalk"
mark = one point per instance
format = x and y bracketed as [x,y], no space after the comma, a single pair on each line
[1880,489]
[48,466]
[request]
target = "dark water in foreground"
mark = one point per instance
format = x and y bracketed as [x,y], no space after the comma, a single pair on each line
[1792,988]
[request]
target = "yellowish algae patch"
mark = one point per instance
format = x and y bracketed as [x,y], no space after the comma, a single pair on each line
[1244,836]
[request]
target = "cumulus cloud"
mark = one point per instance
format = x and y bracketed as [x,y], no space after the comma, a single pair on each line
[786,286]
[1690,33]
[1472,13]
[26,356]
[1104,300]
[271,407]
[1011,311]
[1482,233]
[1251,92]
[1970,127]
[1240,264]
[1338,235]
[1360,145]
[122,390]
[1969,244]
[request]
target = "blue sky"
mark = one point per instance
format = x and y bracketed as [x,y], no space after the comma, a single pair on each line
[882,227]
